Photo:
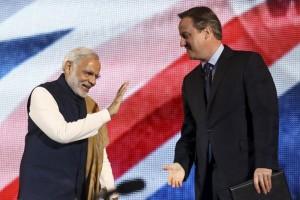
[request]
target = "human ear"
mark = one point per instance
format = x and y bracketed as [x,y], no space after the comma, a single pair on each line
[208,32]
[67,67]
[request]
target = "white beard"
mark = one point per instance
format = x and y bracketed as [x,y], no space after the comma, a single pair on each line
[74,84]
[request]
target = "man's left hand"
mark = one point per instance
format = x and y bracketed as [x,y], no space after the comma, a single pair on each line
[262,180]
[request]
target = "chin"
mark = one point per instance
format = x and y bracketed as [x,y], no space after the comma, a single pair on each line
[83,94]
[192,57]
[80,93]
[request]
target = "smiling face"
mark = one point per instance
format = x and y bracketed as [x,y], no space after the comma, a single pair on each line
[82,75]
[195,41]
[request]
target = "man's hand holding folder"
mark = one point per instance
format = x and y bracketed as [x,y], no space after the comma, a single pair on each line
[248,191]
[262,180]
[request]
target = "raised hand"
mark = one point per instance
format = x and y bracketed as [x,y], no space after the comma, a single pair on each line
[115,105]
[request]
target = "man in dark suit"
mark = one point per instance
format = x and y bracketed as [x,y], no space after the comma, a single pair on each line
[230,128]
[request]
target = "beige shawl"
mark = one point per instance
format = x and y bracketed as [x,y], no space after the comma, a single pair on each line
[96,145]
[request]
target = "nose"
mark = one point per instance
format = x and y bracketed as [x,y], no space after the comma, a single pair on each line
[182,42]
[92,80]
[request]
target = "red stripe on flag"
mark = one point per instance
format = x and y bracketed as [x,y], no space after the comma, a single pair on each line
[271,33]
[10,191]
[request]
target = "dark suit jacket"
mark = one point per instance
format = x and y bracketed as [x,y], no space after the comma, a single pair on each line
[240,120]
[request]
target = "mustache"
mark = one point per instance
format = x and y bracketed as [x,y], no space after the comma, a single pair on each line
[87,85]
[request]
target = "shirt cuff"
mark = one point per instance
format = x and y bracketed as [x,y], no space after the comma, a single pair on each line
[105,116]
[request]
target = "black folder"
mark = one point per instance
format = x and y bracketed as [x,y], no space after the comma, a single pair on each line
[246,190]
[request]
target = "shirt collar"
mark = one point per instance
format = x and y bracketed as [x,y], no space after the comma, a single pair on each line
[213,60]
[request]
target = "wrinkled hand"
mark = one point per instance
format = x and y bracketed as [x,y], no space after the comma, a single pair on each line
[262,180]
[115,105]
[175,174]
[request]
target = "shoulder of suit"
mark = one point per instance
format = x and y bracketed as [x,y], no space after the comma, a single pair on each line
[245,53]
[194,72]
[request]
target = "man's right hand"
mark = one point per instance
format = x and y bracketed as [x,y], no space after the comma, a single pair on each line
[115,105]
[176,174]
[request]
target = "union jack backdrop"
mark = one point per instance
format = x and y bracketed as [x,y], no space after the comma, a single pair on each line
[138,41]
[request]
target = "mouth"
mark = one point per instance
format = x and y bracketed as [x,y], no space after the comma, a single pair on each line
[85,87]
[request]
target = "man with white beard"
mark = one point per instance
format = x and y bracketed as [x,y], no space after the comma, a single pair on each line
[59,125]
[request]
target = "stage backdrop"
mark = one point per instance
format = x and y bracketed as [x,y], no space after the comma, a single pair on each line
[138,41]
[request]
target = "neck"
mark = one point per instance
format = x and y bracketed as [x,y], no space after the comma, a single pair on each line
[214,45]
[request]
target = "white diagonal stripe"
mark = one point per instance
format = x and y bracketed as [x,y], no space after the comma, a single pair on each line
[286,71]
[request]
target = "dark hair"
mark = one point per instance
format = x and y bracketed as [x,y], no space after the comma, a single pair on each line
[203,17]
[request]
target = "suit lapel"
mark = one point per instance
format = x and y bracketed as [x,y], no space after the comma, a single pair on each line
[198,90]
[222,64]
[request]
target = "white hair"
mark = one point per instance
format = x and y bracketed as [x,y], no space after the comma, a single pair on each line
[76,54]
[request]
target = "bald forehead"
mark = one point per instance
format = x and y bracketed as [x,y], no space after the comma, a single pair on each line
[88,65]
[88,59]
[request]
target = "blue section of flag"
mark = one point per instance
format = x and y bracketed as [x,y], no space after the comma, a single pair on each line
[13,52]
[8,8]
[289,138]
[186,192]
